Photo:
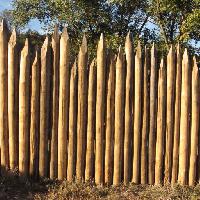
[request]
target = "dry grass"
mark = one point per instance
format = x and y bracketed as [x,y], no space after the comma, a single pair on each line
[13,187]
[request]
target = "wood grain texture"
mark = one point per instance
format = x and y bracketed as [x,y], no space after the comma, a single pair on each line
[63,118]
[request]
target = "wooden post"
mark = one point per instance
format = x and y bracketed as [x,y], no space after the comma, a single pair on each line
[152,125]
[44,108]
[35,117]
[72,124]
[195,124]
[170,113]
[89,170]
[184,123]
[128,107]
[119,117]
[100,110]
[161,123]
[63,122]
[145,123]
[137,114]
[110,119]
[55,106]
[177,117]
[24,110]
[4,96]
[13,91]
[82,110]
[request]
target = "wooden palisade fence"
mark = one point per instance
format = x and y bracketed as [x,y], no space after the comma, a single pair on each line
[130,117]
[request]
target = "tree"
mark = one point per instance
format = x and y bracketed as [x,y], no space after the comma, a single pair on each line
[178,20]
[91,16]
[8,15]
[164,21]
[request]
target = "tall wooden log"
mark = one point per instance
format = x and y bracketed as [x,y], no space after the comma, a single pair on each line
[184,123]
[13,95]
[82,110]
[195,124]
[100,110]
[145,122]
[128,107]
[35,117]
[171,74]
[24,109]
[44,108]
[63,122]
[4,96]
[110,119]
[177,116]
[72,124]
[161,123]
[89,169]
[55,106]
[137,114]
[119,117]
[152,125]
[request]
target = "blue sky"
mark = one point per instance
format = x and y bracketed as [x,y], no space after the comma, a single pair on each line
[33,24]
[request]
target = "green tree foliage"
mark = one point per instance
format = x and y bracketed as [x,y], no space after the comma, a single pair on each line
[164,21]
[91,16]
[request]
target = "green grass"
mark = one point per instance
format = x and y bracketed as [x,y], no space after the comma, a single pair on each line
[13,187]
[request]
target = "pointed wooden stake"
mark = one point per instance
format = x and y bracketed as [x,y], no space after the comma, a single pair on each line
[24,110]
[145,123]
[100,110]
[161,123]
[13,96]
[82,110]
[128,107]
[119,117]
[152,125]
[89,171]
[35,117]
[55,105]
[184,123]
[4,96]
[72,123]
[195,124]
[137,114]
[63,118]
[44,108]
[177,115]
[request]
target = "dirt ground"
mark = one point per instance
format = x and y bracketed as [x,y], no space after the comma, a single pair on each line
[13,187]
